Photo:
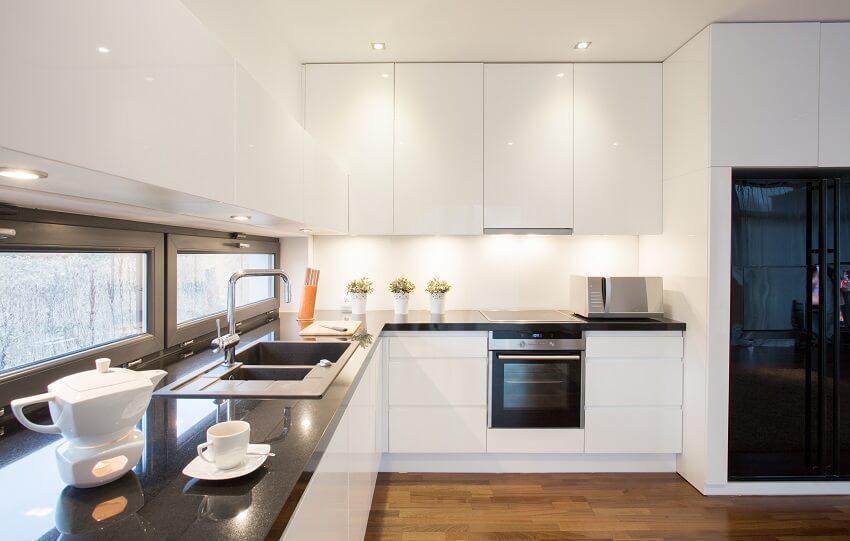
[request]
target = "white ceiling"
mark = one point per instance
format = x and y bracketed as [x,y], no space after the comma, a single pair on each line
[519,30]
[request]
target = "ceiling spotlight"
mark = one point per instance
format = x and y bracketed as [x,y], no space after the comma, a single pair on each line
[305,230]
[240,218]
[379,46]
[103,50]
[17,173]
[582,45]
[385,75]
[559,75]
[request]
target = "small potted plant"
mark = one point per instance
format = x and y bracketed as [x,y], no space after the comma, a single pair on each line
[438,289]
[359,289]
[401,288]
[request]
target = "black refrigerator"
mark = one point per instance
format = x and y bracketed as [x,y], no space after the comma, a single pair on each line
[789,377]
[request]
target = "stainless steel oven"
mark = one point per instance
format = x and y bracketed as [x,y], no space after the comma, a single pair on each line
[535,379]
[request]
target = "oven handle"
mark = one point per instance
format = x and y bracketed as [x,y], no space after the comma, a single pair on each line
[513,357]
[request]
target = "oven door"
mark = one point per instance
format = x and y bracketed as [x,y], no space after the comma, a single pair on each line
[535,390]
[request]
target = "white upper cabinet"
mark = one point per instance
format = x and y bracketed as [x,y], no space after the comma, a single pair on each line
[268,152]
[617,133]
[764,94]
[325,190]
[349,110]
[438,149]
[834,92]
[140,90]
[528,146]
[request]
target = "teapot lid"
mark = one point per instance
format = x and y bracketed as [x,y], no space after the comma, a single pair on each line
[102,376]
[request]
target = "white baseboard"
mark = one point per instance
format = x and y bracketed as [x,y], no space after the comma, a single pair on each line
[779,488]
[523,463]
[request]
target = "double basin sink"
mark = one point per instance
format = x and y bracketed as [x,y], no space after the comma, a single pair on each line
[285,369]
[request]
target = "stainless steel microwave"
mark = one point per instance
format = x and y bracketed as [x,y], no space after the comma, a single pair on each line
[616,296]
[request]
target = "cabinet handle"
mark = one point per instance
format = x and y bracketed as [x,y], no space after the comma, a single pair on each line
[539,357]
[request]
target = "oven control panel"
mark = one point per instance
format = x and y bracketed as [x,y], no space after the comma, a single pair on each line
[536,340]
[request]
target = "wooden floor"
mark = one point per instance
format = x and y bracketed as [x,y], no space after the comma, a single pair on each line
[437,507]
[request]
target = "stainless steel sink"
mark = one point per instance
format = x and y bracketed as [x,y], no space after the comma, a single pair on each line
[269,370]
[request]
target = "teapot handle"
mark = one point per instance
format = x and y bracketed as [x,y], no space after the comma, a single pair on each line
[18,409]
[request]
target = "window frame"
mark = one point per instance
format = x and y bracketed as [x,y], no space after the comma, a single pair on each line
[52,237]
[179,334]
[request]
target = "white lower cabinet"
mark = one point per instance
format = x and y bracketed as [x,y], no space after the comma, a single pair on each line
[336,503]
[437,393]
[633,392]
[535,440]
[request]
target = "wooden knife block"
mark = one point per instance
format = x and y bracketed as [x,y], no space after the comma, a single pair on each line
[308,304]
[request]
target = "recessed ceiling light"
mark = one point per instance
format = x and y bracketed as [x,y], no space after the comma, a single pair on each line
[385,75]
[305,230]
[103,50]
[21,174]
[379,46]
[240,217]
[559,75]
[582,45]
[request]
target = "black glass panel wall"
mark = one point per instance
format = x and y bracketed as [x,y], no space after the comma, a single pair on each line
[789,325]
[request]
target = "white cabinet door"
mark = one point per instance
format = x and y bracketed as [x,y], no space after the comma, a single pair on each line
[764,94]
[633,382]
[361,450]
[349,111]
[446,429]
[140,90]
[438,149]
[268,152]
[633,430]
[617,148]
[323,512]
[438,382]
[325,190]
[834,89]
[528,146]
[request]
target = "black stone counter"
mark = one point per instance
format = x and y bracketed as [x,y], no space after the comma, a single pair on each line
[159,502]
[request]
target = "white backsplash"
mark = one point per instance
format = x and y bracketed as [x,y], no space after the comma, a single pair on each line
[509,272]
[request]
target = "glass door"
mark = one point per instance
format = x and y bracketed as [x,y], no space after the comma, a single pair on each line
[780,318]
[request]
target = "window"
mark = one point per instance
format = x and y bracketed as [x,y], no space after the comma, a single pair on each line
[202,283]
[70,294]
[56,303]
[199,269]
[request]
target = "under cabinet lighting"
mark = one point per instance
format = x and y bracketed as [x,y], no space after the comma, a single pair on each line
[582,45]
[385,75]
[559,75]
[379,46]
[240,217]
[17,173]
[103,50]
[305,230]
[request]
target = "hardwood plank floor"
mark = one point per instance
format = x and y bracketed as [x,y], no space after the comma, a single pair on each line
[590,507]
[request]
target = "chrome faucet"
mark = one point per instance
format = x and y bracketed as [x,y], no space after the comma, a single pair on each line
[228,341]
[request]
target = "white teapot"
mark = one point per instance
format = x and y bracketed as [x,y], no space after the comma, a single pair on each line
[94,407]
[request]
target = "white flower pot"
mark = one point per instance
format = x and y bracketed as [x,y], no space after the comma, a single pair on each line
[438,303]
[358,303]
[400,303]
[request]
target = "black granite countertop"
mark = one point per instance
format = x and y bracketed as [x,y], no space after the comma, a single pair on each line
[161,502]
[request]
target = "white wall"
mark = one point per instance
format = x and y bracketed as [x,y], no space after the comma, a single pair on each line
[511,272]
[681,253]
[250,30]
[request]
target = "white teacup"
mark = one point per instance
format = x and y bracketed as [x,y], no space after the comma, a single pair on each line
[228,444]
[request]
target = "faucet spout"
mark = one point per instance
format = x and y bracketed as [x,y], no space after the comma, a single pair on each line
[228,342]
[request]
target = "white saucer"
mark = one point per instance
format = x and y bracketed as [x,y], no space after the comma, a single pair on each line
[201,469]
